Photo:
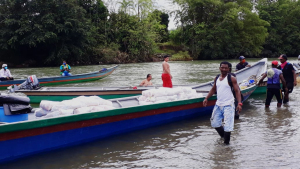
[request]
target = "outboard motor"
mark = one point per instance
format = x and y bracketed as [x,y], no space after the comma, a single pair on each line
[14,108]
[31,83]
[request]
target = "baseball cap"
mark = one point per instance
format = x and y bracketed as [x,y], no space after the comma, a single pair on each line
[299,57]
[241,57]
[275,62]
[283,56]
[4,65]
[270,73]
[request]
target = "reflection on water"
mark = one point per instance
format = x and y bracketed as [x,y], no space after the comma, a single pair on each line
[262,138]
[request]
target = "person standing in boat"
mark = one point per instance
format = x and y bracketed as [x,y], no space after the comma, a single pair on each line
[224,107]
[166,75]
[242,64]
[65,69]
[273,85]
[5,73]
[289,75]
[147,81]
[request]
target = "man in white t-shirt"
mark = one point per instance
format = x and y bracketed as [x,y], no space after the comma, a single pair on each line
[224,107]
[5,73]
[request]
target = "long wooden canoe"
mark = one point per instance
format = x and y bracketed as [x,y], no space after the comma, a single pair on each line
[63,93]
[24,138]
[58,80]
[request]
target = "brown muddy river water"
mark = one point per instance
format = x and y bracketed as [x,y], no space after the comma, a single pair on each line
[262,138]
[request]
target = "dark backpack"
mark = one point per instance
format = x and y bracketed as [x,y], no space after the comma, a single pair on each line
[231,85]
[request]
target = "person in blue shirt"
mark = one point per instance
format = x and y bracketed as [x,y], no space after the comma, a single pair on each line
[65,69]
[242,63]
[273,85]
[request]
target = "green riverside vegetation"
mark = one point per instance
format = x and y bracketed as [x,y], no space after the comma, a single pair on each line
[45,32]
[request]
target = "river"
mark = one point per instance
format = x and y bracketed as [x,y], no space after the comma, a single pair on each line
[262,138]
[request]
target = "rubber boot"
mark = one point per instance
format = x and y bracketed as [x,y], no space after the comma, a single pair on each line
[220,130]
[227,137]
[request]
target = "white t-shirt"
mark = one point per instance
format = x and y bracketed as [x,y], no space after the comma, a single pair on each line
[5,73]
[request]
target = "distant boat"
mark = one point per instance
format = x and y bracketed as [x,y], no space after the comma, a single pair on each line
[58,80]
[64,93]
[23,138]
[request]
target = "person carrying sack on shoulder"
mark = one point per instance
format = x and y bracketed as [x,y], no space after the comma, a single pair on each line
[224,107]
[273,85]
[65,69]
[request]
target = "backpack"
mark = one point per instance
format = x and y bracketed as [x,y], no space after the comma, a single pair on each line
[231,85]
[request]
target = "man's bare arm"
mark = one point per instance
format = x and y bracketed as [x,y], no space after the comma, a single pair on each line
[211,92]
[237,93]
[142,83]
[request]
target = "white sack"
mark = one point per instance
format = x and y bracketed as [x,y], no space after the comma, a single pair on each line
[58,106]
[52,114]
[47,105]
[105,102]
[63,112]
[142,98]
[73,104]
[41,112]
[87,101]
[97,109]
[82,110]
[107,107]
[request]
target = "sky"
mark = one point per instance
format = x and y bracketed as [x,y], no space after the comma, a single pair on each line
[164,5]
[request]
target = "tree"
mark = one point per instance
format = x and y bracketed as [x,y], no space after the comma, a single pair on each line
[221,29]
[284,19]
[45,31]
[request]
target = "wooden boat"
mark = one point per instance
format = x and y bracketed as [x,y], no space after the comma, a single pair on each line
[63,79]
[64,93]
[20,139]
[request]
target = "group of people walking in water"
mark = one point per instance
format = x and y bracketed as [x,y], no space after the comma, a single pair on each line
[229,97]
[228,92]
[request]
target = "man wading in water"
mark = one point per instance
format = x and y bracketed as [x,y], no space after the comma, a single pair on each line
[224,108]
[166,75]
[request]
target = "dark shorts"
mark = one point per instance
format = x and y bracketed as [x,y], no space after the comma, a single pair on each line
[290,86]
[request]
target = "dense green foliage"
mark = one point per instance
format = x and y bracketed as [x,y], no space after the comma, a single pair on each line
[44,32]
[284,30]
[220,29]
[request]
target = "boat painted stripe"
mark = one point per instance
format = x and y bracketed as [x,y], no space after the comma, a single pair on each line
[77,79]
[97,121]
[24,125]
[8,83]
[17,148]
[68,80]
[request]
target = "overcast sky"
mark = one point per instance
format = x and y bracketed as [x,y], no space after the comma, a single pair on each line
[166,5]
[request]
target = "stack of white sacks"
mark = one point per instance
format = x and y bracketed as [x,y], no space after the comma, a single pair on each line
[78,105]
[164,94]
